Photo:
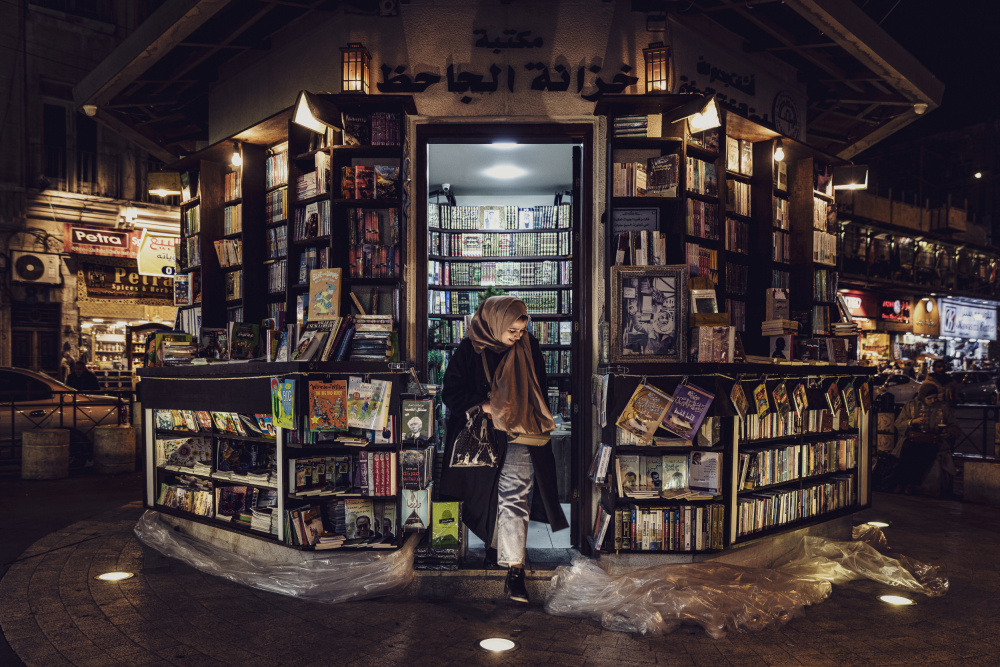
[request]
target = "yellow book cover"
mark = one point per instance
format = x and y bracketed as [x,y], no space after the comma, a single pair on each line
[324,294]
[644,412]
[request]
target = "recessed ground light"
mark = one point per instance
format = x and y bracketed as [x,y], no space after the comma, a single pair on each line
[895,600]
[114,576]
[504,171]
[497,645]
[877,524]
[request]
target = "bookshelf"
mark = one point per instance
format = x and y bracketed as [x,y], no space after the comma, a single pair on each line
[136,341]
[773,474]
[201,227]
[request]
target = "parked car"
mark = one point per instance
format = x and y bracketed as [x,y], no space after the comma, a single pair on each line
[902,387]
[31,400]
[974,387]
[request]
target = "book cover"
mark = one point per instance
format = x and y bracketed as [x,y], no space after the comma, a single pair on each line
[418,421]
[760,399]
[182,289]
[687,410]
[364,182]
[746,157]
[266,424]
[739,399]
[244,340]
[662,176]
[357,130]
[850,397]
[865,397]
[347,182]
[652,473]
[445,524]
[674,472]
[416,467]
[164,420]
[800,399]
[328,405]
[781,402]
[644,411]
[833,398]
[306,345]
[324,294]
[416,509]
[359,403]
[628,473]
[704,472]
[733,155]
[213,343]
[283,403]
[358,518]
[386,181]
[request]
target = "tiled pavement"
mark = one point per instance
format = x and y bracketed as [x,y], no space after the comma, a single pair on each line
[53,612]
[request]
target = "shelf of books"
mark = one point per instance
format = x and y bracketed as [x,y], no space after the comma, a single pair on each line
[701,463]
[197,265]
[308,460]
[524,251]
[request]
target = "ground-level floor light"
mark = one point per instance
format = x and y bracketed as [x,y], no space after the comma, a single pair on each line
[497,644]
[114,576]
[895,600]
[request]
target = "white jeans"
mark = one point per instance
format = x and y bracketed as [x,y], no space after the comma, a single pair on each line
[513,506]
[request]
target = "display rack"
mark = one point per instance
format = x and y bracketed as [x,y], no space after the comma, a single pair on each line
[136,342]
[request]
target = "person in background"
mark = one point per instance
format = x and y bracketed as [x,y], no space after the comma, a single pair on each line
[82,378]
[498,501]
[927,430]
[66,364]
[939,376]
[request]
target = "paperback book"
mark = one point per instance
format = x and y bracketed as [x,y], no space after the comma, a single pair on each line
[687,410]
[324,294]
[416,504]
[418,421]
[445,525]
[283,403]
[328,405]
[761,401]
[739,399]
[644,412]
[704,472]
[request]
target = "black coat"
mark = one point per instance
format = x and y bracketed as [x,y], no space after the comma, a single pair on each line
[465,386]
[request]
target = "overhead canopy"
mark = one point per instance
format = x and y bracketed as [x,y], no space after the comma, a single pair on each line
[862,85]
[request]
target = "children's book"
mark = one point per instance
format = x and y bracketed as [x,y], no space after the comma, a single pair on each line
[644,412]
[283,403]
[266,424]
[328,405]
[760,399]
[687,410]
[324,294]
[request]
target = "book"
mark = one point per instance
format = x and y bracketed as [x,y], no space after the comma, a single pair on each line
[365,402]
[781,402]
[652,473]
[359,519]
[674,471]
[833,399]
[687,410]
[704,472]
[627,473]
[415,504]
[324,294]
[283,403]
[328,405]
[182,289]
[417,467]
[850,397]
[306,345]
[800,399]
[644,412]
[663,176]
[865,397]
[445,524]
[761,401]
[364,182]
[417,420]
[244,340]
[386,181]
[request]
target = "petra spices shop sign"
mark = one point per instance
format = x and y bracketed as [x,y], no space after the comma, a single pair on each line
[119,281]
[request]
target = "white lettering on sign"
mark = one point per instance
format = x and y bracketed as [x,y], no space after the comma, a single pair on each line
[94,236]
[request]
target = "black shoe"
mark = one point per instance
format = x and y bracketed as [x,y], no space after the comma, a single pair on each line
[490,561]
[514,586]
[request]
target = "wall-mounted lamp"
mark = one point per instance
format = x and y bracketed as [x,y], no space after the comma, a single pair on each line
[850,177]
[356,61]
[701,113]
[237,154]
[163,183]
[779,151]
[978,174]
[315,113]
[657,57]
[920,108]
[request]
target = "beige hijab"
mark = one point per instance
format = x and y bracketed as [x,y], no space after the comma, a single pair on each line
[516,399]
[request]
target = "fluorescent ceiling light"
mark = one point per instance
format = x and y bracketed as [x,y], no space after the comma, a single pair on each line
[504,171]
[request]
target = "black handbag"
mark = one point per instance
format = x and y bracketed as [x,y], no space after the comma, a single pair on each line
[475,445]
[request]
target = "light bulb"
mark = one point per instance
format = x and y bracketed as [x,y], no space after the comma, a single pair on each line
[779,152]
[237,156]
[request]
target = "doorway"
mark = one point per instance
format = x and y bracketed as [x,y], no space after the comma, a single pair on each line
[34,336]
[502,209]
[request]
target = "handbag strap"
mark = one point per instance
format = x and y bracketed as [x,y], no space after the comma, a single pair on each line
[486,368]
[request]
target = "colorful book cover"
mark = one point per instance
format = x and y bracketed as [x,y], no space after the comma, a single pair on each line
[739,399]
[416,504]
[760,399]
[213,343]
[324,294]
[164,420]
[283,403]
[182,289]
[306,345]
[833,399]
[781,402]
[445,524]
[204,420]
[850,397]
[704,471]
[800,398]
[328,405]
[266,423]
[244,340]
[386,181]
[687,410]
[644,412]
[674,472]
[417,418]
[359,518]
[359,408]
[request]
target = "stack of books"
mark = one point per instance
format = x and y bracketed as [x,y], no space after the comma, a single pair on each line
[844,329]
[778,327]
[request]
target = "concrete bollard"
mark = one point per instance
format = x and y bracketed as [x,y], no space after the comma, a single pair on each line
[45,453]
[114,449]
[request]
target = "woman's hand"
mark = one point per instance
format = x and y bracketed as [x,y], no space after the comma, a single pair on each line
[486,408]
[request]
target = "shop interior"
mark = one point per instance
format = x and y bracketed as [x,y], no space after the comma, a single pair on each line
[499,172]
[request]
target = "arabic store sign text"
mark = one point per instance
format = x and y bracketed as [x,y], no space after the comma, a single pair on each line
[963,320]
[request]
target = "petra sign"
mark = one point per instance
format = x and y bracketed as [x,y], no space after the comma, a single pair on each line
[119,281]
[106,242]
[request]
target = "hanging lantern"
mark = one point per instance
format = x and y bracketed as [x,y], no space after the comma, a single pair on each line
[356,66]
[657,57]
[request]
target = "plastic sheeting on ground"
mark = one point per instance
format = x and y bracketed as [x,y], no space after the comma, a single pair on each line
[720,597]
[341,576]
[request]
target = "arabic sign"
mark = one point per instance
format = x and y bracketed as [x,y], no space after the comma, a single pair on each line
[107,242]
[156,254]
[118,280]
[896,310]
[964,320]
[926,318]
[635,220]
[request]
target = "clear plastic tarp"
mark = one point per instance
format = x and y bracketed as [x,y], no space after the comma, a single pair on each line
[720,597]
[337,576]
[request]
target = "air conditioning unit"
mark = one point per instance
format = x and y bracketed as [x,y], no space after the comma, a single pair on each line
[35,267]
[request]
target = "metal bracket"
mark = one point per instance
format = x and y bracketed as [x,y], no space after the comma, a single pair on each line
[400,366]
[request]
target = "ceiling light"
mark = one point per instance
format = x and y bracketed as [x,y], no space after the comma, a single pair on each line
[504,144]
[496,644]
[850,177]
[114,576]
[504,171]
[163,183]
[978,174]
[779,151]
[896,600]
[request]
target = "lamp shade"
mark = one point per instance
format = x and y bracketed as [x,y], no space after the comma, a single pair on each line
[315,113]
[701,113]
[850,177]
[163,183]
[356,67]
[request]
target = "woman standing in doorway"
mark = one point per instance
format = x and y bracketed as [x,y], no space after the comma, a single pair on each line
[511,390]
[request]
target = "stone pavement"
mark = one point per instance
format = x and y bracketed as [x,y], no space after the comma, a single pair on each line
[53,612]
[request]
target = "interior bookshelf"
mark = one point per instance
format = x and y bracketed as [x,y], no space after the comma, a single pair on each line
[135,337]
[524,250]
[201,226]
[772,474]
